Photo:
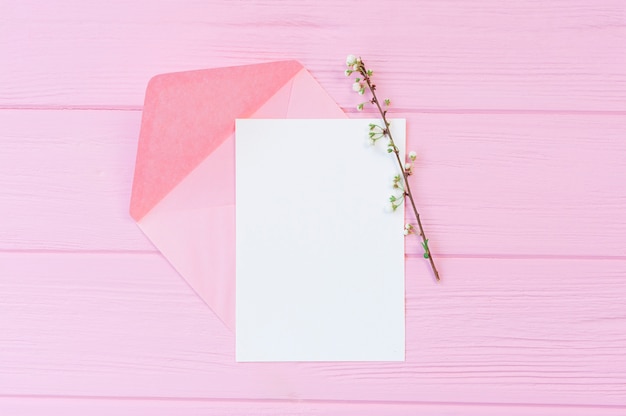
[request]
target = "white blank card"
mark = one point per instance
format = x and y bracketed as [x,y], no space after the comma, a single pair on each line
[320,263]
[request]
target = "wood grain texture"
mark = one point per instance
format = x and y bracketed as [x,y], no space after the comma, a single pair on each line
[453,54]
[20,406]
[81,163]
[517,111]
[495,331]
[489,184]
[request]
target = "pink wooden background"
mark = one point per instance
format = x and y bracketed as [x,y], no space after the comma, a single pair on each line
[518,112]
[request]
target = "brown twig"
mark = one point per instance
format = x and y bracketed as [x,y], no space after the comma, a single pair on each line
[405,174]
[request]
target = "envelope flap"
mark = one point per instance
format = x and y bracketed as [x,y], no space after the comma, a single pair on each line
[192,220]
[187,115]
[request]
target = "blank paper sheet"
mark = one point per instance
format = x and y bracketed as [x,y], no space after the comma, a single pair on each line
[320,261]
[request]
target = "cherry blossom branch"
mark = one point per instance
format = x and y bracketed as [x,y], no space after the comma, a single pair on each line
[356,65]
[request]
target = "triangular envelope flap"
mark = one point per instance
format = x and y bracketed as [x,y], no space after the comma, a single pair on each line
[188,114]
[194,224]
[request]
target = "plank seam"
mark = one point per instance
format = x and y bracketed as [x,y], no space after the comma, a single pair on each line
[309,401]
[495,256]
[348,110]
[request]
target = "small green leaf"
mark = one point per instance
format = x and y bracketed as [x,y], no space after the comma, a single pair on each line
[426,249]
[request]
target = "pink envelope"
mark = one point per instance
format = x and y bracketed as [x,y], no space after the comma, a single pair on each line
[183,195]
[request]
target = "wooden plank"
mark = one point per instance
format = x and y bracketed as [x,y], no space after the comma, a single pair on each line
[494,331]
[66,178]
[521,185]
[431,54]
[17,406]
[490,185]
